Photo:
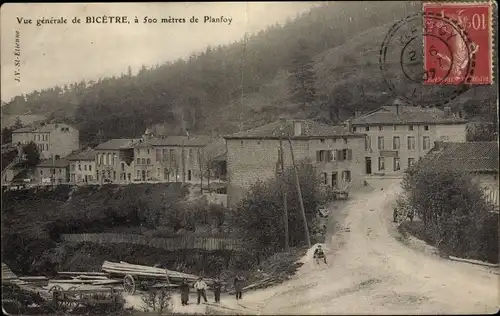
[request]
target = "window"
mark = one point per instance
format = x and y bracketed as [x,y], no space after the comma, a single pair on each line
[443,138]
[345,140]
[381,143]
[381,163]
[189,175]
[380,128]
[114,175]
[166,174]
[138,161]
[346,176]
[411,142]
[85,167]
[426,143]
[165,155]
[410,127]
[324,178]
[158,155]
[97,175]
[397,165]
[148,151]
[395,143]
[123,166]
[79,167]
[138,174]
[73,167]
[172,155]
[90,167]
[115,159]
[367,128]
[143,161]
[324,156]
[241,142]
[158,172]
[190,157]
[368,143]
[354,129]
[395,128]
[344,154]
[426,127]
[148,161]
[411,162]
[322,140]
[334,179]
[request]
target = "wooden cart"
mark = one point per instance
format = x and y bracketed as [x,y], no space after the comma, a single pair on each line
[74,297]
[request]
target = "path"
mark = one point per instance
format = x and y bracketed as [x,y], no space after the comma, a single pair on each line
[370,271]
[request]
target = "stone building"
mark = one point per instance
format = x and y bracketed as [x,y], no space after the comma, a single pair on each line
[399,135]
[170,158]
[55,139]
[253,155]
[51,171]
[115,161]
[82,168]
[480,159]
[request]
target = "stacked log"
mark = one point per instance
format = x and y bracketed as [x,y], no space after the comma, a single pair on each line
[146,272]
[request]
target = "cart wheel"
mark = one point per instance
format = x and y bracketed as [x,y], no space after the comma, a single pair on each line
[60,303]
[129,284]
[55,288]
[72,298]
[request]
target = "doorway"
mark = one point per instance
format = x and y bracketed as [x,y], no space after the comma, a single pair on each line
[334,179]
[368,165]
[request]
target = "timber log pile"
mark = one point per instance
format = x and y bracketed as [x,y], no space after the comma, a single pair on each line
[82,280]
[121,269]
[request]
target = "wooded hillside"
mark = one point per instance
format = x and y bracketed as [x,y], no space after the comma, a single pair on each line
[240,85]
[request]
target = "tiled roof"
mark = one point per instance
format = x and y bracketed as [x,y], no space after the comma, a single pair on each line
[286,127]
[88,154]
[117,143]
[191,141]
[404,114]
[56,163]
[26,129]
[468,156]
[38,128]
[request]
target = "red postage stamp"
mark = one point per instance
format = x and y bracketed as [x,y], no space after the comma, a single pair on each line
[458,50]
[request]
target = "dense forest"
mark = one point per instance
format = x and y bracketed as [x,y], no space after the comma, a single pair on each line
[242,84]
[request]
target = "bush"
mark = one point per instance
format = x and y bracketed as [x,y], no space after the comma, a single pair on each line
[453,209]
[260,215]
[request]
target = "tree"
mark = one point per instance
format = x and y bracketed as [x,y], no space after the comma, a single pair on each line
[453,209]
[6,135]
[32,154]
[17,124]
[303,77]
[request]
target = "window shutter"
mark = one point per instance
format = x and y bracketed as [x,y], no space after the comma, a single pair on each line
[317,156]
[349,154]
[341,157]
[336,154]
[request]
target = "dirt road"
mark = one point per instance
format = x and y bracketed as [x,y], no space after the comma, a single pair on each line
[370,271]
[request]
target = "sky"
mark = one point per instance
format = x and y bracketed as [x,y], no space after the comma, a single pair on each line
[58,54]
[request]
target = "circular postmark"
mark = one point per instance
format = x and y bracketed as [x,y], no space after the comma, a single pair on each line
[427,59]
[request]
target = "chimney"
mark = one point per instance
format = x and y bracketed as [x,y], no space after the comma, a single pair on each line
[447,110]
[297,127]
[349,126]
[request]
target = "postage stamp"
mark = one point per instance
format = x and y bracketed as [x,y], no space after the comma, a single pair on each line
[447,55]
[402,59]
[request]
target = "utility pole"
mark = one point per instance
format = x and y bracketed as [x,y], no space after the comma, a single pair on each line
[300,195]
[284,192]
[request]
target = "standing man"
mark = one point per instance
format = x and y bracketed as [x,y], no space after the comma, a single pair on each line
[201,287]
[238,286]
[319,254]
[184,287]
[217,285]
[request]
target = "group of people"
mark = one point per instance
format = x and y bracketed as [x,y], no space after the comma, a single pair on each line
[201,287]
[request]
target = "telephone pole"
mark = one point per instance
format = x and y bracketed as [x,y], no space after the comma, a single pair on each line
[306,229]
[284,192]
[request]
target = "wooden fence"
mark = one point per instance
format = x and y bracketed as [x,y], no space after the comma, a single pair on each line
[185,242]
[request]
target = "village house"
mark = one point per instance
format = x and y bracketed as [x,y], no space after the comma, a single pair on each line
[170,158]
[399,135]
[83,167]
[56,140]
[51,171]
[480,159]
[254,155]
[115,161]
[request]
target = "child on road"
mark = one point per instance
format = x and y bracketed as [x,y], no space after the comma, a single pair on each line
[319,254]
